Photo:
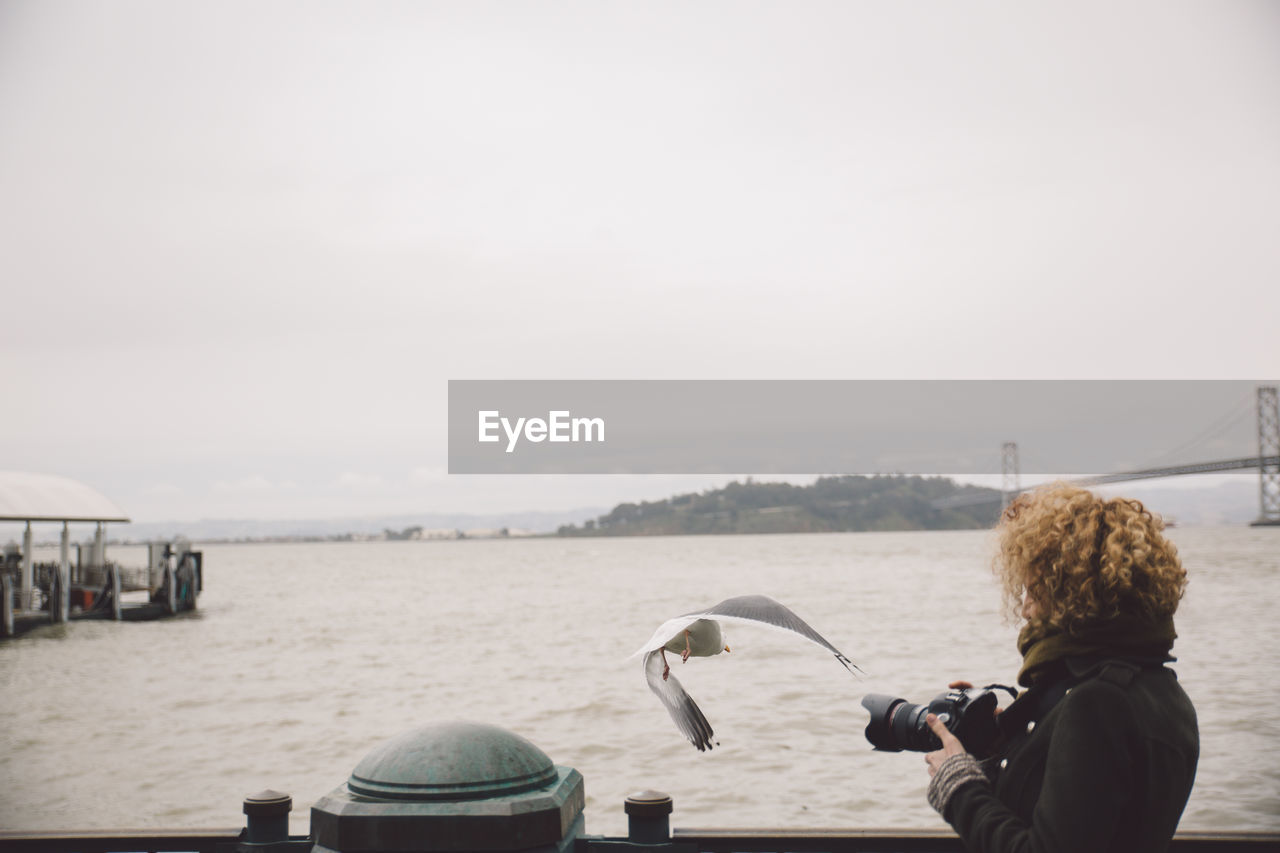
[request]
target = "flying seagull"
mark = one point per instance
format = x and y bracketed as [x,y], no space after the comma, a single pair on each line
[698,634]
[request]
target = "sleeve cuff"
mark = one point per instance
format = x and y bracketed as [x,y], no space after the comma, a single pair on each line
[954,772]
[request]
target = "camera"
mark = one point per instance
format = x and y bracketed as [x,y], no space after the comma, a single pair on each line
[897,724]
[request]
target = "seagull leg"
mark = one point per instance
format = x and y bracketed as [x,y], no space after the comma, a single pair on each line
[684,655]
[666,667]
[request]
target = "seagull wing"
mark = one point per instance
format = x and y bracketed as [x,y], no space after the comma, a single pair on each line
[762,610]
[686,713]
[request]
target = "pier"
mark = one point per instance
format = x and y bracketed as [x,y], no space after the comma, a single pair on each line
[454,787]
[33,593]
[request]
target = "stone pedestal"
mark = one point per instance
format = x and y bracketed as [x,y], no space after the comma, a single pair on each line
[452,787]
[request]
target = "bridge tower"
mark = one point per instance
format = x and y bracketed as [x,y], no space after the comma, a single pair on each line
[1011,476]
[1268,451]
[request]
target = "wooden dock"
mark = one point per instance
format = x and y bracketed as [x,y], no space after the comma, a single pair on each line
[90,587]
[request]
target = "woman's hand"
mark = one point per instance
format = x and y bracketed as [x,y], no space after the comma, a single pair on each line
[951,745]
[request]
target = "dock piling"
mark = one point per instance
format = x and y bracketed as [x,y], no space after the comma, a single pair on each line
[113,573]
[27,577]
[6,606]
[59,596]
[64,569]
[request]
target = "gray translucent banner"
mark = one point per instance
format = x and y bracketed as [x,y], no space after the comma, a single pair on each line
[844,426]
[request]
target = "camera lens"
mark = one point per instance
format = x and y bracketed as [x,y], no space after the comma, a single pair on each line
[897,724]
[879,731]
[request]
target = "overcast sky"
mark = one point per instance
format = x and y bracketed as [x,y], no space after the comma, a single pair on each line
[243,246]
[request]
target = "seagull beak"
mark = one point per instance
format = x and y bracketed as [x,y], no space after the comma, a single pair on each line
[727,649]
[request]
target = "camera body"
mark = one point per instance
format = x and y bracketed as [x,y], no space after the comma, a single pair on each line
[897,724]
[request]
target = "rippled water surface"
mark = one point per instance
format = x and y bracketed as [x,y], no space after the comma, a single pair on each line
[305,657]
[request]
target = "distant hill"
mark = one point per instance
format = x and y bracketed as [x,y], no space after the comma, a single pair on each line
[845,503]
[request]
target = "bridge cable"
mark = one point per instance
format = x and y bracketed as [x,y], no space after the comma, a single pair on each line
[1233,416]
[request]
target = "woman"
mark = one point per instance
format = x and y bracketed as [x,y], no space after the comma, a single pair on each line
[1100,753]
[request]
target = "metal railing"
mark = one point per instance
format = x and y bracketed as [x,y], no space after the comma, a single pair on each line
[921,841]
[132,578]
[680,841]
[122,841]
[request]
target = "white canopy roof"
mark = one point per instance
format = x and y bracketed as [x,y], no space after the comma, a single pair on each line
[45,497]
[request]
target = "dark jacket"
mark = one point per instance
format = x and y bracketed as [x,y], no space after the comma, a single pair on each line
[1109,766]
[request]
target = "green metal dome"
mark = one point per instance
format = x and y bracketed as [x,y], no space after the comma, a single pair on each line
[452,761]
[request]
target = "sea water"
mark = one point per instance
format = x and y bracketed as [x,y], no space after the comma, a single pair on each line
[304,657]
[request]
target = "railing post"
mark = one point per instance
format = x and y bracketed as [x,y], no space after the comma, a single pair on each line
[648,817]
[267,817]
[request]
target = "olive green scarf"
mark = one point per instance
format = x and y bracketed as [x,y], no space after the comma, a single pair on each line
[1121,636]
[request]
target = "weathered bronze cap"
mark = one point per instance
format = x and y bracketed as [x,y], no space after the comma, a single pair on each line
[648,804]
[452,761]
[453,788]
[267,803]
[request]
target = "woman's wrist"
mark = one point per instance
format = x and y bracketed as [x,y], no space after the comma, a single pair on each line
[956,771]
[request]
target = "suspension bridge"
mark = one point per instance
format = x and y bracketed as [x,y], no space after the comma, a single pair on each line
[1266,462]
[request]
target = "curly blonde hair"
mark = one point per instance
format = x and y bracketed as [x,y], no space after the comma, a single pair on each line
[1081,559]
